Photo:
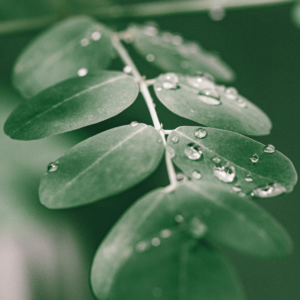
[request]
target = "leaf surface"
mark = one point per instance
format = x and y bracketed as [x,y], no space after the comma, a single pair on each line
[171,53]
[102,166]
[60,52]
[160,260]
[224,148]
[72,104]
[239,115]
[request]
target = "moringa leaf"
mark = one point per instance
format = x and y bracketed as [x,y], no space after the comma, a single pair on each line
[178,266]
[72,104]
[200,100]
[78,43]
[171,53]
[102,166]
[224,148]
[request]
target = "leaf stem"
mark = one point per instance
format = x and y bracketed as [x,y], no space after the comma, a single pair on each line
[150,104]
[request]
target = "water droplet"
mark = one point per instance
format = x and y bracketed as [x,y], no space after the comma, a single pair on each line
[174,139]
[209,96]
[134,124]
[82,72]
[180,177]
[127,69]
[216,160]
[241,194]
[170,151]
[236,188]
[225,173]
[179,218]
[171,77]
[196,175]
[185,64]
[200,133]
[150,30]
[142,246]
[197,228]
[165,233]
[157,292]
[176,40]
[150,57]
[167,36]
[269,149]
[242,103]
[96,35]
[155,242]
[217,13]
[84,42]
[271,190]
[170,81]
[52,167]
[249,178]
[254,158]
[193,151]
[159,140]
[201,80]
[231,93]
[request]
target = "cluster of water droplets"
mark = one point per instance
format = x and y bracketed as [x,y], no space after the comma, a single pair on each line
[270,190]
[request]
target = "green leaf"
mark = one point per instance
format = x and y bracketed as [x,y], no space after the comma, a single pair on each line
[60,52]
[224,148]
[160,260]
[200,100]
[171,53]
[72,104]
[102,166]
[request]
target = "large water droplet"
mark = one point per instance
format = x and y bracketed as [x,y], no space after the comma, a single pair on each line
[155,242]
[209,96]
[84,42]
[150,57]
[96,35]
[269,149]
[254,158]
[165,233]
[200,133]
[170,81]
[249,178]
[193,151]
[231,93]
[271,190]
[225,173]
[197,228]
[174,139]
[134,124]
[196,175]
[82,72]
[171,77]
[52,167]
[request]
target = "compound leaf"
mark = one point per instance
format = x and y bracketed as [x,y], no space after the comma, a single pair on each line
[102,166]
[199,99]
[226,161]
[72,104]
[171,53]
[73,47]
[178,266]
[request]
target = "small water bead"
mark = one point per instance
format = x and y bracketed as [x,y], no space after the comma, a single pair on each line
[84,42]
[82,72]
[254,158]
[179,219]
[180,177]
[176,40]
[196,175]
[159,140]
[159,89]
[225,173]
[134,124]
[231,93]
[249,178]
[52,167]
[269,149]
[174,139]
[200,133]
[150,30]
[142,246]
[127,69]
[209,96]
[193,151]
[201,80]
[155,242]
[197,228]
[242,103]
[236,188]
[216,160]
[217,13]
[96,35]
[271,190]
[166,233]
[167,36]
[150,57]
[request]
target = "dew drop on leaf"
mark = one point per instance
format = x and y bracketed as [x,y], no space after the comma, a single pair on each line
[52,167]
[96,35]
[269,149]
[197,228]
[231,93]
[150,57]
[167,36]
[225,173]
[196,175]
[200,133]
[165,233]
[249,178]
[155,242]
[271,190]
[216,160]
[150,30]
[217,13]
[176,40]
[254,158]
[82,72]
[134,124]
[242,103]
[170,81]
[127,69]
[158,89]
[142,246]
[175,139]
[193,151]
[209,96]
[180,177]
[236,188]
[84,42]
[179,218]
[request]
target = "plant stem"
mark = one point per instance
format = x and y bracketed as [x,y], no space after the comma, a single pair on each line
[149,101]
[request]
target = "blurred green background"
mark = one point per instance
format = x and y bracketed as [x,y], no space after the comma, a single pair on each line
[262,45]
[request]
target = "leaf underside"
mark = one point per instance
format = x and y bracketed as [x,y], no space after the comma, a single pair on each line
[183,57]
[230,114]
[179,267]
[72,104]
[58,53]
[233,150]
[102,166]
